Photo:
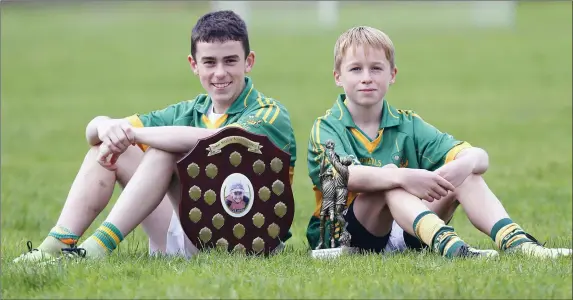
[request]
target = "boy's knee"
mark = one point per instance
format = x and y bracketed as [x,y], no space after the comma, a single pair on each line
[375,201]
[472,179]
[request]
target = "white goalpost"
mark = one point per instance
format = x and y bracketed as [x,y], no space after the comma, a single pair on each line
[332,14]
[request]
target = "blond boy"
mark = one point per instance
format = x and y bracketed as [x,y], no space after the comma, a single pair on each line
[392,208]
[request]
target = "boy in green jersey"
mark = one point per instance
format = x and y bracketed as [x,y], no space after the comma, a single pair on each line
[407,177]
[139,152]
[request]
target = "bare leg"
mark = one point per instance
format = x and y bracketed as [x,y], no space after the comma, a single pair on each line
[90,193]
[375,212]
[145,191]
[480,204]
[156,224]
[487,214]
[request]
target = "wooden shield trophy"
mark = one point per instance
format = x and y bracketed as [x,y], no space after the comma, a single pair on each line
[236,193]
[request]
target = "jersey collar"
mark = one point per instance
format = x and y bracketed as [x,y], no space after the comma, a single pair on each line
[390,116]
[247,96]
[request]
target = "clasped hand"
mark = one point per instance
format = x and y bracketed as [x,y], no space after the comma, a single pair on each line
[435,185]
[115,136]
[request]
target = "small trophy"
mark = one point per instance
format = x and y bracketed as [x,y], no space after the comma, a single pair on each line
[334,188]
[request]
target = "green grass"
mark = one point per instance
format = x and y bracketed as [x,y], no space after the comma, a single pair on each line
[507,90]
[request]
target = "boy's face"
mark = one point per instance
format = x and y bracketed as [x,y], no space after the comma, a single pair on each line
[365,75]
[221,67]
[237,196]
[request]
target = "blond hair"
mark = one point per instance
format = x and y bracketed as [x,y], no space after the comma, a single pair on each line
[363,36]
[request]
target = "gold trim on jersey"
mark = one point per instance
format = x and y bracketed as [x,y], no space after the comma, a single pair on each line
[217,123]
[249,93]
[455,151]
[267,107]
[135,121]
[370,146]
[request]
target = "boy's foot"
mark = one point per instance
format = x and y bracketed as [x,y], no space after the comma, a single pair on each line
[536,249]
[38,255]
[467,251]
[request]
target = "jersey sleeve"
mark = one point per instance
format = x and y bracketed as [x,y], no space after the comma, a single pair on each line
[164,117]
[320,133]
[279,130]
[433,147]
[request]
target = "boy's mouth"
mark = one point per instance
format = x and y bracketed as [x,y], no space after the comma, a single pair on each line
[221,85]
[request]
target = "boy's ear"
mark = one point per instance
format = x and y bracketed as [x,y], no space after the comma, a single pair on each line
[193,64]
[394,72]
[337,78]
[249,62]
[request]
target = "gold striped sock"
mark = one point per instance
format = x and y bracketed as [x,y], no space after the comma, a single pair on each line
[426,225]
[510,235]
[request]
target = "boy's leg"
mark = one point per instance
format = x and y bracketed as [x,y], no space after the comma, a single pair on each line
[141,196]
[157,223]
[373,213]
[487,214]
[88,196]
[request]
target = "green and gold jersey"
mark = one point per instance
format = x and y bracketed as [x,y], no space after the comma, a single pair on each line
[252,111]
[404,139]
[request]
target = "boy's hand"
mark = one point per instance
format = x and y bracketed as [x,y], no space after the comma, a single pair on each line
[118,135]
[106,158]
[456,171]
[424,184]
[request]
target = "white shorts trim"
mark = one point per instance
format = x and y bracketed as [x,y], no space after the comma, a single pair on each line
[396,242]
[178,244]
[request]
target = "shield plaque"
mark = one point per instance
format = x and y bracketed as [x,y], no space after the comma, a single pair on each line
[236,193]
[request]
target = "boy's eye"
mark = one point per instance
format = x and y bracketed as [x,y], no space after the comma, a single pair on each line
[355,69]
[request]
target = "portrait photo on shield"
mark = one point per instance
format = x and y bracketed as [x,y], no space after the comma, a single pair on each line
[237,195]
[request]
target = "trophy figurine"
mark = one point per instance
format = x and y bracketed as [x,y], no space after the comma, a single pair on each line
[334,182]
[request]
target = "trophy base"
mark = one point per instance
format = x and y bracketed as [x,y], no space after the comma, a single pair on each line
[333,252]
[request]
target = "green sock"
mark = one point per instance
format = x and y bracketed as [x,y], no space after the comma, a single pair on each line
[431,230]
[65,235]
[58,238]
[447,241]
[104,240]
[506,234]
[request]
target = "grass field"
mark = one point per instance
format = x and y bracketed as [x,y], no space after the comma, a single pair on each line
[508,91]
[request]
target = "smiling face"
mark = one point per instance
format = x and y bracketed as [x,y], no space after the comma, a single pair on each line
[237,195]
[221,68]
[221,56]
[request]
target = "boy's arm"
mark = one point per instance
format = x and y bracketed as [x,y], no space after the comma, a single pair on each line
[150,126]
[116,135]
[92,135]
[466,162]
[452,159]
[177,139]
[360,179]
[421,183]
